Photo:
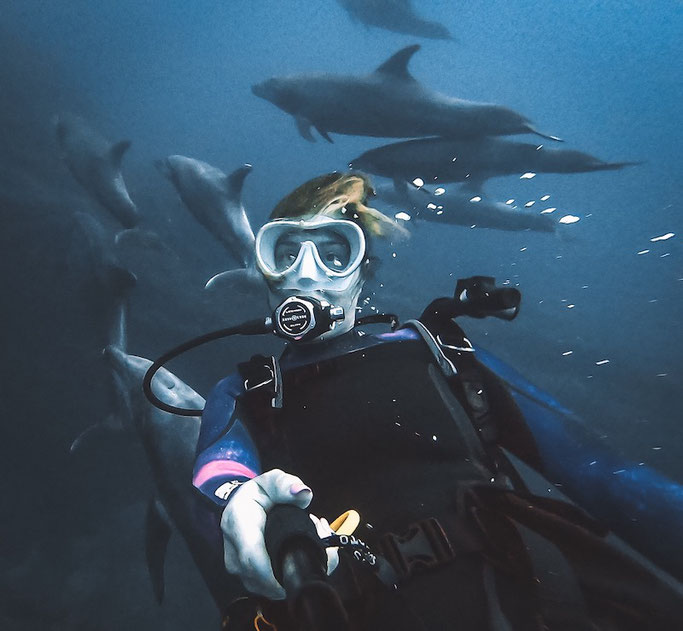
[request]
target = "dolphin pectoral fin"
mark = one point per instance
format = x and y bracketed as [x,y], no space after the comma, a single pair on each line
[161,165]
[324,134]
[147,239]
[397,65]
[400,186]
[117,150]
[110,425]
[120,280]
[533,130]
[235,181]
[474,186]
[241,281]
[304,127]
[157,535]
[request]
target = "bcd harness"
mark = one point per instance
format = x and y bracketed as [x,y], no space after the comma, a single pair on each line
[429,542]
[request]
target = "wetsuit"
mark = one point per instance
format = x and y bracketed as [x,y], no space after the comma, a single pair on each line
[371,422]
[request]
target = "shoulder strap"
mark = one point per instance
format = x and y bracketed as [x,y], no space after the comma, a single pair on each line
[454,354]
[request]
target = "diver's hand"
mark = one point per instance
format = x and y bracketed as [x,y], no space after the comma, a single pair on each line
[243,523]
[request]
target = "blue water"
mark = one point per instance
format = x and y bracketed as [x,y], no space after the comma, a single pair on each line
[175,77]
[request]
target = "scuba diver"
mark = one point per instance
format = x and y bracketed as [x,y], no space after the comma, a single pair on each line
[407,444]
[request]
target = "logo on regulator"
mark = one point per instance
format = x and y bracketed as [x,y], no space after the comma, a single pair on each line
[295,318]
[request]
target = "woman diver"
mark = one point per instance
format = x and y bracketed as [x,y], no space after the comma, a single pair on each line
[412,432]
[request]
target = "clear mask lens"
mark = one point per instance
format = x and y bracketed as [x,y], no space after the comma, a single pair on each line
[338,246]
[333,249]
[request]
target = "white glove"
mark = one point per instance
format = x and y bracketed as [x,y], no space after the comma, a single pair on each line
[243,523]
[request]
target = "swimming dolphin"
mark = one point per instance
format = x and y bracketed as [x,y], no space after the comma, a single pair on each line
[214,199]
[109,282]
[96,165]
[461,208]
[445,160]
[394,15]
[386,103]
[169,442]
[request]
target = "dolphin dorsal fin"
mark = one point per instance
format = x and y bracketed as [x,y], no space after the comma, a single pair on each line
[235,181]
[117,150]
[397,65]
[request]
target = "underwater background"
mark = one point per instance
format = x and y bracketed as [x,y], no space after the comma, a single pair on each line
[175,78]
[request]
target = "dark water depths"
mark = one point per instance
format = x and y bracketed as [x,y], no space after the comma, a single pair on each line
[175,77]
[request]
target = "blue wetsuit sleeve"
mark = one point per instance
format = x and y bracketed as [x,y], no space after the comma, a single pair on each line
[226,454]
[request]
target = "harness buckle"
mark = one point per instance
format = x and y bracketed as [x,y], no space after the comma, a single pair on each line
[423,546]
[263,373]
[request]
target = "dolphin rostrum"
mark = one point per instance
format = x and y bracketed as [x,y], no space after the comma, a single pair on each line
[386,103]
[445,160]
[96,165]
[169,442]
[394,15]
[461,208]
[215,200]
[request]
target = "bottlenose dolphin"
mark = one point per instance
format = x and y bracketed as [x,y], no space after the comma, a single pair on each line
[457,208]
[215,200]
[445,160]
[386,103]
[394,15]
[169,442]
[96,165]
[109,282]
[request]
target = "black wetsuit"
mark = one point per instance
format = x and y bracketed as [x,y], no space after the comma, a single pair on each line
[373,423]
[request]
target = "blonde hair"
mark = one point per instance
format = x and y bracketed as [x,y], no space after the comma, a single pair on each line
[339,195]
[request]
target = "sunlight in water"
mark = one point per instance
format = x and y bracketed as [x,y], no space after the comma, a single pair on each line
[569,219]
[663,237]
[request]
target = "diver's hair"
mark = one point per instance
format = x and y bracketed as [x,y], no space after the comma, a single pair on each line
[339,195]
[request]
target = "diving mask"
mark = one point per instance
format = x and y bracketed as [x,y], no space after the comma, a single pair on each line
[321,249]
[317,258]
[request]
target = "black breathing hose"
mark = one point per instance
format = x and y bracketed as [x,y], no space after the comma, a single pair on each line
[252,327]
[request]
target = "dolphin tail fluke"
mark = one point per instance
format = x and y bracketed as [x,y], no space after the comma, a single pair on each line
[532,130]
[235,181]
[241,281]
[117,150]
[157,535]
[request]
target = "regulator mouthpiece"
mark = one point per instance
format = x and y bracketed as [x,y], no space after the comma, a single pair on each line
[299,318]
